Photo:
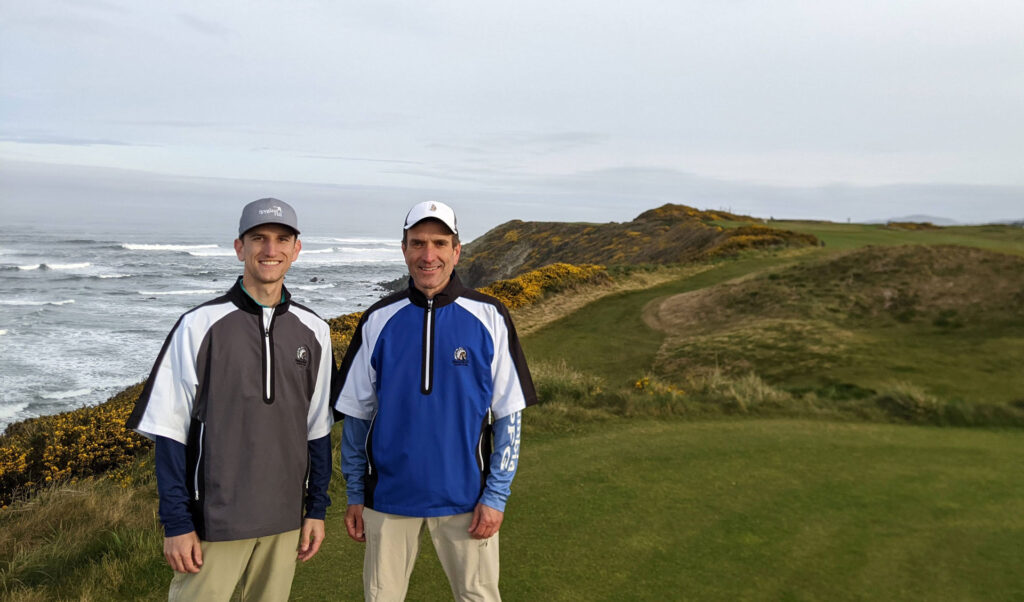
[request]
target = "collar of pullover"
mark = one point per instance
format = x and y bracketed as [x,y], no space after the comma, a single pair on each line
[449,293]
[243,301]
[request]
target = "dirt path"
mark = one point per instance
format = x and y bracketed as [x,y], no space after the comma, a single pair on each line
[533,317]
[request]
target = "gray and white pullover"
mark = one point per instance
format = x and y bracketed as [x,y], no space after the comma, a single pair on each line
[244,388]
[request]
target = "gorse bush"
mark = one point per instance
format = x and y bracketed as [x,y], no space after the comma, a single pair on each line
[68,446]
[531,286]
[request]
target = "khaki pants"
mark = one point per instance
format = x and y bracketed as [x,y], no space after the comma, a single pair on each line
[264,567]
[393,541]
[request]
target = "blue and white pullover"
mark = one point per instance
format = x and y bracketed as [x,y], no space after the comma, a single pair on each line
[423,385]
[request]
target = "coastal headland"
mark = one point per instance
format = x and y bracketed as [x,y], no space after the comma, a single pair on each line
[732,408]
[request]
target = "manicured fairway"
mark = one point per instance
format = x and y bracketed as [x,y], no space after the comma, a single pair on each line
[745,510]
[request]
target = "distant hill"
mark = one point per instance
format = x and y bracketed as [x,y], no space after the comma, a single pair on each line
[668,234]
[918,218]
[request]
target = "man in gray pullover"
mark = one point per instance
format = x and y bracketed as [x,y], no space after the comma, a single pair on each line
[238,403]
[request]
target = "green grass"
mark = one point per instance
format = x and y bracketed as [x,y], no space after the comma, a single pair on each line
[743,510]
[609,337]
[837,236]
[978,365]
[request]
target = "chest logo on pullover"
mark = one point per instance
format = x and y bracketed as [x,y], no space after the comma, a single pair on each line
[461,357]
[302,356]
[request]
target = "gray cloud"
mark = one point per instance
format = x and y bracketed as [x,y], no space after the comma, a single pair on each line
[204,26]
[570,100]
[46,138]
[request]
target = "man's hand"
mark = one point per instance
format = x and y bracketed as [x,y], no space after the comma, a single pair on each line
[486,521]
[183,552]
[354,522]
[311,538]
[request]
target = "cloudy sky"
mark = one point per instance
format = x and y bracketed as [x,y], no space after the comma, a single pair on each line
[572,110]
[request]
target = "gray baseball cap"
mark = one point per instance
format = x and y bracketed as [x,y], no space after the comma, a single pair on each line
[267,211]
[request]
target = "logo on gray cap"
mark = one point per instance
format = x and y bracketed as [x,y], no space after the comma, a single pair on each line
[267,211]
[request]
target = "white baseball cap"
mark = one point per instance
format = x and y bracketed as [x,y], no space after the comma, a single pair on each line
[432,210]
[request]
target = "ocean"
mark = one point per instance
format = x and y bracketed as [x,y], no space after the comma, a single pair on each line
[83,316]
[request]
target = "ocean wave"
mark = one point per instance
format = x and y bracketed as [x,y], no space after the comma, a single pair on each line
[17,302]
[162,247]
[105,276]
[316,251]
[55,266]
[219,253]
[317,261]
[2,332]
[185,292]
[311,287]
[10,411]
[388,242]
[384,252]
[66,394]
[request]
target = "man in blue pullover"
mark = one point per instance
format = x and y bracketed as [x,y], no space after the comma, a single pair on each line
[238,403]
[432,387]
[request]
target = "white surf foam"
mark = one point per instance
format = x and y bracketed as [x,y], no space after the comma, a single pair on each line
[218,253]
[66,394]
[186,292]
[161,247]
[26,303]
[10,411]
[311,287]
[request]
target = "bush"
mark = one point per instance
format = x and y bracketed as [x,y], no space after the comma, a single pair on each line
[67,446]
[530,287]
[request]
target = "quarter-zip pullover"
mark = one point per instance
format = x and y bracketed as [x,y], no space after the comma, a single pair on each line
[428,446]
[244,388]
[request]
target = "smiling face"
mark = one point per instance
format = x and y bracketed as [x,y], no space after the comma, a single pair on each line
[431,254]
[267,251]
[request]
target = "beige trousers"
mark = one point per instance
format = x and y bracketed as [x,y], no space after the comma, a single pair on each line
[393,541]
[262,567]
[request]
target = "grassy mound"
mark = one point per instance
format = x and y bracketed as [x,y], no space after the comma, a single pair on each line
[855,325]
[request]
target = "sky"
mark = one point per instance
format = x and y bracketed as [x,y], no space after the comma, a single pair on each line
[179,112]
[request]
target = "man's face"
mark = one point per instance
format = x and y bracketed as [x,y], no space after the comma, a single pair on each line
[430,255]
[268,251]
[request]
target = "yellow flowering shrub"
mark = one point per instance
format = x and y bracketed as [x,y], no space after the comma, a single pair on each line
[530,287]
[69,445]
[342,329]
